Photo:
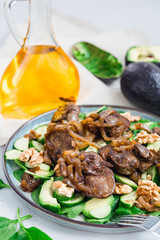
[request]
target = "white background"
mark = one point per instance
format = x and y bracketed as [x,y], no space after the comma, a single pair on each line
[101,15]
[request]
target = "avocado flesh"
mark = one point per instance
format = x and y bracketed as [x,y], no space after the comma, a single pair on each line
[140,84]
[143,54]
[100,63]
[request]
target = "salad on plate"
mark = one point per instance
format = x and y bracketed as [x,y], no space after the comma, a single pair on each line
[95,165]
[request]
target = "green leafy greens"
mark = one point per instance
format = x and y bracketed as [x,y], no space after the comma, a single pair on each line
[8,230]
[31,233]
[3,185]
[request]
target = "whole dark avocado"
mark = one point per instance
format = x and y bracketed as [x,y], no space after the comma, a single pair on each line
[140,84]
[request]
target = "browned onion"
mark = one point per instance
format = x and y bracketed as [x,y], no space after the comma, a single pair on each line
[80,138]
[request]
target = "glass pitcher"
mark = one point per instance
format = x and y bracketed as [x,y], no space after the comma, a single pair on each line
[41,73]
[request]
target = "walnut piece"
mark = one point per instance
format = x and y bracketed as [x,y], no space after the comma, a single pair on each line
[26,154]
[122,189]
[148,195]
[57,170]
[36,159]
[62,189]
[143,137]
[130,117]
[32,156]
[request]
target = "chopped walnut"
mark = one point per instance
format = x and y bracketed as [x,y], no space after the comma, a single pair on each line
[148,195]
[143,137]
[32,135]
[36,159]
[57,170]
[62,189]
[130,117]
[32,156]
[122,189]
[26,154]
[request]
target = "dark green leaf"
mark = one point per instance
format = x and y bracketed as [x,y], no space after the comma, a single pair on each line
[99,62]
[35,195]
[32,233]
[72,212]
[8,227]
[18,174]
[123,210]
[82,116]
[3,185]
[37,234]
[156,214]
[21,234]
[7,231]
[58,178]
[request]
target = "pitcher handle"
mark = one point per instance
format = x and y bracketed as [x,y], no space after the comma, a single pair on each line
[10,22]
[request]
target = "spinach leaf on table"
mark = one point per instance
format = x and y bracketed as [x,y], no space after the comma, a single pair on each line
[8,227]
[31,233]
[3,185]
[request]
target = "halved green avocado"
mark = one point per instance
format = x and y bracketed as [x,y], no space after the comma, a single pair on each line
[143,54]
[140,84]
[100,63]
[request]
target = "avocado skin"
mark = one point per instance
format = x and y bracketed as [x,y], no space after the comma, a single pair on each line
[140,84]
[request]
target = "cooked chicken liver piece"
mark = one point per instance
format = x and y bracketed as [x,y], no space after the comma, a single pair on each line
[102,185]
[68,111]
[92,163]
[58,140]
[156,130]
[112,117]
[145,157]
[124,162]
[28,183]
[90,175]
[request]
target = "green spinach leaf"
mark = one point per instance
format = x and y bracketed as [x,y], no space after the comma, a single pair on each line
[35,195]
[18,174]
[8,227]
[72,212]
[31,233]
[3,185]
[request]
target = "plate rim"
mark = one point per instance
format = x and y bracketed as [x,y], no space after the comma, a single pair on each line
[47,212]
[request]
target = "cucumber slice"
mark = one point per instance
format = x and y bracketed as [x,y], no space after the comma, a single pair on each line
[41,130]
[41,174]
[155,145]
[20,164]
[60,197]
[27,165]
[144,176]
[125,180]
[97,221]
[46,199]
[42,166]
[12,154]
[91,149]
[38,146]
[128,199]
[73,202]
[21,144]
[98,208]
[153,172]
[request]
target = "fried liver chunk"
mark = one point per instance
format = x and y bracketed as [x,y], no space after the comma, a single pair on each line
[58,140]
[124,162]
[68,111]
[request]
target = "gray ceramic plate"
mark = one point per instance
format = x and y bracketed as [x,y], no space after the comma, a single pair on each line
[10,166]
